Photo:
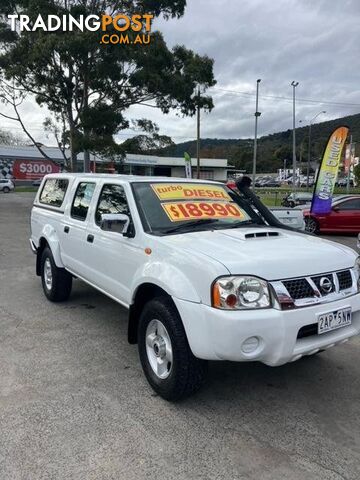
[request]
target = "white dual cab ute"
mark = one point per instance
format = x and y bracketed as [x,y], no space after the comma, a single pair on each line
[207,273]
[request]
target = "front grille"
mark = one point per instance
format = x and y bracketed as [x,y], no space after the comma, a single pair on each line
[303,291]
[317,281]
[299,288]
[308,330]
[345,279]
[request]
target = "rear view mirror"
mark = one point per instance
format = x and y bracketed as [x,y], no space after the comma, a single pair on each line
[115,222]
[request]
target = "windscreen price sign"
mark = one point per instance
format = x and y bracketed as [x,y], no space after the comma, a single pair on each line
[180,211]
[33,169]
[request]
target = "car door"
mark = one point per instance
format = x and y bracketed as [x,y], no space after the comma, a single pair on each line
[74,228]
[113,258]
[345,215]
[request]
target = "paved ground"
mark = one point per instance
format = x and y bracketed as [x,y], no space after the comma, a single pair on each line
[75,405]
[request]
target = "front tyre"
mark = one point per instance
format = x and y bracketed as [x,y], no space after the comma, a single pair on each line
[56,282]
[168,363]
[311,225]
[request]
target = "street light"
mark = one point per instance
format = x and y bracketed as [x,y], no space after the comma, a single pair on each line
[309,148]
[257,114]
[294,85]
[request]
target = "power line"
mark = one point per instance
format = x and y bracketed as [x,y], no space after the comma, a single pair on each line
[278,97]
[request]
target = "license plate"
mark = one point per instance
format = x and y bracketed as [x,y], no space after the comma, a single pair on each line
[333,320]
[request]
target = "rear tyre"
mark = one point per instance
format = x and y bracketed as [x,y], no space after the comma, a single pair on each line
[311,225]
[6,189]
[56,282]
[168,363]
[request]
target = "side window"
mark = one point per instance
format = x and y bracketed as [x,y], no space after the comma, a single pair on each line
[112,200]
[353,204]
[53,192]
[82,199]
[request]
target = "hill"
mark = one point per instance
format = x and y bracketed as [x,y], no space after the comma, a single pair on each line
[272,149]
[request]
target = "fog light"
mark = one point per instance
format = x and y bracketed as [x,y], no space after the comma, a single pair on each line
[250,345]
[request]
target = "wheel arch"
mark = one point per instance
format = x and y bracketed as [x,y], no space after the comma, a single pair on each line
[49,238]
[143,293]
[42,245]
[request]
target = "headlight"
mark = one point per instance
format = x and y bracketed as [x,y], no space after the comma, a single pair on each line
[240,292]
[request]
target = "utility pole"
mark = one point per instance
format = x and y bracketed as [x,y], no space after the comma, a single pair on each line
[257,114]
[309,148]
[198,136]
[294,85]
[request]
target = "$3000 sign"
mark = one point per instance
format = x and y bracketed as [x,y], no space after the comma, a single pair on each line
[181,211]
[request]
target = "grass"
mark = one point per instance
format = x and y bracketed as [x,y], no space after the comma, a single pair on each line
[270,201]
[272,197]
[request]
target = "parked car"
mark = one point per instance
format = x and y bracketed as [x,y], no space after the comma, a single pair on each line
[261,181]
[304,182]
[37,183]
[289,180]
[342,182]
[271,183]
[6,185]
[292,200]
[290,217]
[203,274]
[343,217]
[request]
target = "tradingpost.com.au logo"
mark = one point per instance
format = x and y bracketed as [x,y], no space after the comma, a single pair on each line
[121,23]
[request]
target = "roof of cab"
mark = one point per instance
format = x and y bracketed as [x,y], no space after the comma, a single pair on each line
[128,178]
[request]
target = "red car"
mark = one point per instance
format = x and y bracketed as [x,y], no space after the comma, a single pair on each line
[343,217]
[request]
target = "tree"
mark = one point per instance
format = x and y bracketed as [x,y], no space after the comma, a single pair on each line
[149,143]
[357,173]
[11,96]
[91,85]
[11,139]
[146,143]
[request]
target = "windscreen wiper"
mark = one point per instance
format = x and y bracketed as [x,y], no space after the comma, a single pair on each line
[187,225]
[246,223]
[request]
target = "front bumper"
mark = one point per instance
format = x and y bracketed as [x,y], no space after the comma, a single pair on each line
[220,335]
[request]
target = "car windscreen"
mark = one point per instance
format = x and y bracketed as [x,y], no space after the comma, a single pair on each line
[178,206]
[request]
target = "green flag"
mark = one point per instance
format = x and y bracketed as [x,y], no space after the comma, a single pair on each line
[187,159]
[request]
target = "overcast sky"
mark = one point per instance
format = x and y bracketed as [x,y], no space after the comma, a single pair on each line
[315,42]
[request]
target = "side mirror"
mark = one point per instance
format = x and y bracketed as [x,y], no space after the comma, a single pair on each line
[335,208]
[115,222]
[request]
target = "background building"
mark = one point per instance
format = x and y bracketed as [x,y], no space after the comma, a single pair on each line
[26,163]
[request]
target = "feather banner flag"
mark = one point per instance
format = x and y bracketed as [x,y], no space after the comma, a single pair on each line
[187,159]
[328,172]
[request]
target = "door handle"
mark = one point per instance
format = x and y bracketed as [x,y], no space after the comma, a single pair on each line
[90,238]
[66,229]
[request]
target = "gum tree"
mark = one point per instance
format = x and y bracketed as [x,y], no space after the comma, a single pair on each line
[88,86]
